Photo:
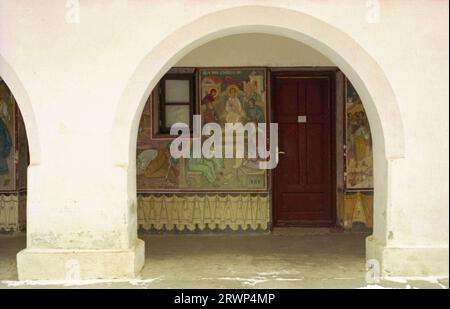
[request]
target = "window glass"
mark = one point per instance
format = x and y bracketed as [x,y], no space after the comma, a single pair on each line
[177,91]
[177,113]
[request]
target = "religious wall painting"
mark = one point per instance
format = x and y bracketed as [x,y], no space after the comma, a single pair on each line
[7,139]
[234,95]
[239,97]
[228,174]
[23,152]
[157,170]
[359,159]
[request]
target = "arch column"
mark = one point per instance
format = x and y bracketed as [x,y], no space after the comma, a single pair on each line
[79,228]
[80,222]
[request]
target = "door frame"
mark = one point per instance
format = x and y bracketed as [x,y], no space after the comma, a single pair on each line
[308,72]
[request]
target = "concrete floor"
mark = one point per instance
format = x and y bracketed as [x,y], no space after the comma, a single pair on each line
[287,258]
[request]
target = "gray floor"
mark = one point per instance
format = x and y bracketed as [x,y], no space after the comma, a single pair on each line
[287,258]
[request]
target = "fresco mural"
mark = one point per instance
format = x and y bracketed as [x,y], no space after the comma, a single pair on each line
[23,153]
[359,162]
[158,171]
[239,96]
[13,164]
[225,95]
[233,95]
[356,211]
[7,139]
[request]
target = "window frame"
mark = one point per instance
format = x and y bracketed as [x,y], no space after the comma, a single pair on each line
[163,129]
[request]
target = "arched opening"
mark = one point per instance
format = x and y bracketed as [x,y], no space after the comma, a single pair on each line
[14,161]
[174,198]
[353,60]
[23,154]
[212,67]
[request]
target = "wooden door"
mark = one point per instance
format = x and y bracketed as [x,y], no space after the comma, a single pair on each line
[303,179]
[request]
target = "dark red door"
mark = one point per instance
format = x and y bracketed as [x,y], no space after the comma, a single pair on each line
[303,178]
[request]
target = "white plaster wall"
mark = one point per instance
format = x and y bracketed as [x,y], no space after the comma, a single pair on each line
[75,83]
[254,49]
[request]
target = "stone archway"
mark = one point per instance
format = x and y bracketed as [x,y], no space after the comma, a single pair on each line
[23,101]
[18,120]
[365,74]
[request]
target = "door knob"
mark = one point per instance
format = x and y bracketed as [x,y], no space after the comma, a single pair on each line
[281,152]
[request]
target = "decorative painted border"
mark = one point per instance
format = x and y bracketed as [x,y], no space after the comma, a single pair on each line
[9,212]
[204,212]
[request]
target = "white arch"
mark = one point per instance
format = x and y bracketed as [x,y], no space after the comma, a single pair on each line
[366,75]
[26,109]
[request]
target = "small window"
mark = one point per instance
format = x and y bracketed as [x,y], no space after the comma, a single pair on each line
[176,99]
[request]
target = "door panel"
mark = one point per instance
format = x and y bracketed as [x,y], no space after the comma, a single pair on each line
[303,178]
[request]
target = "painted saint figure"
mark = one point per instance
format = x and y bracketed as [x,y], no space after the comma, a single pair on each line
[359,146]
[255,113]
[233,107]
[209,113]
[251,91]
[209,168]
[5,139]
[156,163]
